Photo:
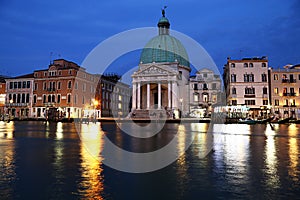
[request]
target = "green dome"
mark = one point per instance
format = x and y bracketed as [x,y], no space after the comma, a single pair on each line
[164,48]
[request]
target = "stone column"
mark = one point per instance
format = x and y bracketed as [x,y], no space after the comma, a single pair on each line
[133,96]
[139,96]
[148,96]
[159,95]
[174,95]
[169,94]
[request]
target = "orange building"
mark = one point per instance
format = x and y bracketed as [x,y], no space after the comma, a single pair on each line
[2,97]
[65,90]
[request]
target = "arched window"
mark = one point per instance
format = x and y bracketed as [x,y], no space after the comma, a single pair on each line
[53,98]
[49,98]
[250,64]
[234,90]
[70,84]
[245,64]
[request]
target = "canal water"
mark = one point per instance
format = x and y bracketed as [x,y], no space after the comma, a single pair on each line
[41,160]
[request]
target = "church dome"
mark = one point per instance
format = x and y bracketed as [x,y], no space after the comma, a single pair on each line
[164,47]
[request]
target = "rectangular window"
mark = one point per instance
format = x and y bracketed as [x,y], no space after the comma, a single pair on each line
[234,102]
[58,85]
[58,98]
[195,86]
[233,78]
[214,86]
[196,97]
[19,84]
[275,77]
[120,98]
[265,102]
[275,90]
[24,84]
[276,102]
[265,90]
[233,90]
[11,85]
[69,98]
[249,102]
[264,77]
[45,86]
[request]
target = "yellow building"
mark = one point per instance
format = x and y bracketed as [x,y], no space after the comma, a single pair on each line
[285,89]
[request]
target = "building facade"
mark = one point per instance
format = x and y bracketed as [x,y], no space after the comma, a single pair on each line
[246,82]
[18,101]
[205,89]
[65,90]
[115,96]
[2,97]
[285,89]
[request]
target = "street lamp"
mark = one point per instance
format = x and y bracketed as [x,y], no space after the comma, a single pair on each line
[181,102]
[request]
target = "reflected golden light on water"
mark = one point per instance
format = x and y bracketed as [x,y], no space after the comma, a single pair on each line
[202,139]
[293,152]
[59,131]
[91,147]
[271,159]
[7,130]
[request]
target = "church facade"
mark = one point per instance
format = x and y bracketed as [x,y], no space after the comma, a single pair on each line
[163,76]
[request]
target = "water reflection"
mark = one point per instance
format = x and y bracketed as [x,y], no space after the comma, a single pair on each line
[248,161]
[91,185]
[7,160]
[271,160]
[294,152]
[235,153]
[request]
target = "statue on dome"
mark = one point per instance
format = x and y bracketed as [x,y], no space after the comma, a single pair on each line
[163,11]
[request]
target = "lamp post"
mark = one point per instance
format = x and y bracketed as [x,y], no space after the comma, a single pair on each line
[181,102]
[10,106]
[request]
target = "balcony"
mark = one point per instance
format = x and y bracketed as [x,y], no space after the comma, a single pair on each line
[249,95]
[288,80]
[51,89]
[205,88]
[292,94]
[17,104]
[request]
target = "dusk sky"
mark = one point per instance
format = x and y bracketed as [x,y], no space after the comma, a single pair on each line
[31,29]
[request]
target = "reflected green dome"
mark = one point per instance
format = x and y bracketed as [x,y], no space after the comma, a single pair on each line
[164,48]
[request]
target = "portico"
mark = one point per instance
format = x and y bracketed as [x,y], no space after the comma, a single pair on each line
[155,87]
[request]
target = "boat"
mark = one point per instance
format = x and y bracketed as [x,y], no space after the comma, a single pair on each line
[283,121]
[247,121]
[264,121]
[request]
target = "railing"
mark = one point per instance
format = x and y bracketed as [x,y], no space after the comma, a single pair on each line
[289,94]
[50,89]
[249,95]
[288,80]
[16,104]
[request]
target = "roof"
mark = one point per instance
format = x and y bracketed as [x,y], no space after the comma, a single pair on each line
[164,48]
[23,76]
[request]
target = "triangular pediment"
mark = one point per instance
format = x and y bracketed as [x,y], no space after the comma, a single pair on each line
[154,70]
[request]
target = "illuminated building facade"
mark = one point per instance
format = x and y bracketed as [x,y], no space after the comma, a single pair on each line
[285,90]
[2,96]
[246,82]
[18,103]
[205,90]
[64,90]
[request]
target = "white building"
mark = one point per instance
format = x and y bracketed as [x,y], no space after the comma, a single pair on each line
[246,83]
[19,92]
[205,90]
